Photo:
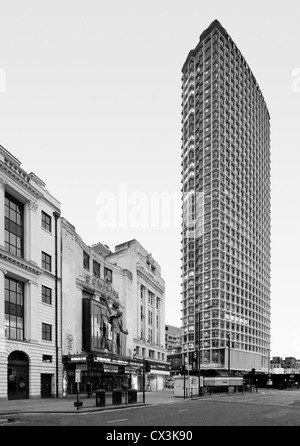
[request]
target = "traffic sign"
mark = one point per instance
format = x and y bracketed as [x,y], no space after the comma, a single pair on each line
[77,376]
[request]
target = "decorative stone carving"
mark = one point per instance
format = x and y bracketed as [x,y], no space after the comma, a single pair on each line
[3,183]
[32,205]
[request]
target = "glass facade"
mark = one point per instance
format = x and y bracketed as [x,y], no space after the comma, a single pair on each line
[226,205]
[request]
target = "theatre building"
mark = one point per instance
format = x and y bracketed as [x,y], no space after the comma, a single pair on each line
[97,314]
[30,306]
[146,302]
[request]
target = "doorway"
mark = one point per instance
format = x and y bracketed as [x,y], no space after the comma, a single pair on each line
[46,385]
[17,376]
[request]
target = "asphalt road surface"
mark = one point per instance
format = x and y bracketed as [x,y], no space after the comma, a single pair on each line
[266,408]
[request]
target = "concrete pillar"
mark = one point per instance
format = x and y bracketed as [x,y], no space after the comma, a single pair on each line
[2,212]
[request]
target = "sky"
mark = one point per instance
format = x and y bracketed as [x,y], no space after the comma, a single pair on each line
[90,101]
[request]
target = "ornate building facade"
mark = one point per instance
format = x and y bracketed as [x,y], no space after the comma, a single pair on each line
[100,318]
[30,305]
[145,309]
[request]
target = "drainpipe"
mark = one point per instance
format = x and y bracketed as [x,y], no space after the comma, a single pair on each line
[56,216]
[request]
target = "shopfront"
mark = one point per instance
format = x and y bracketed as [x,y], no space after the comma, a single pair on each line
[156,378]
[105,372]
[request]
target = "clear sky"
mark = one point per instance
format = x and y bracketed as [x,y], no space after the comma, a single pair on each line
[90,101]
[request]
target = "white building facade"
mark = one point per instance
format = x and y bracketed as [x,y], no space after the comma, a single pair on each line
[146,318]
[30,305]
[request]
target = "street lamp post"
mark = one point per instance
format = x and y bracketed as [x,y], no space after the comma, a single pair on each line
[228,340]
[144,366]
[199,358]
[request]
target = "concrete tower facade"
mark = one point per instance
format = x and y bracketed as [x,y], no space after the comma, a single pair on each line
[226,210]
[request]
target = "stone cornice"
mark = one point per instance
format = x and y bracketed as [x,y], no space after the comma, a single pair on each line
[18,174]
[141,271]
[4,255]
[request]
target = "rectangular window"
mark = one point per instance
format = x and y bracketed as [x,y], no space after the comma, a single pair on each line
[46,221]
[46,332]
[151,354]
[150,298]
[46,261]
[47,358]
[14,309]
[108,275]
[86,260]
[150,317]
[46,295]
[96,268]
[14,226]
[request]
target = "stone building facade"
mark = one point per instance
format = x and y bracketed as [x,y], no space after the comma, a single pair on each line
[97,288]
[30,305]
[146,320]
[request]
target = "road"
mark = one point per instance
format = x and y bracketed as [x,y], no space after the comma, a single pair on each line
[266,408]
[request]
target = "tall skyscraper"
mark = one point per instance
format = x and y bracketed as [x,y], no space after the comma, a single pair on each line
[226,210]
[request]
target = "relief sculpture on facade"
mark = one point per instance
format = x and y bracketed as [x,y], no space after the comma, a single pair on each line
[115,321]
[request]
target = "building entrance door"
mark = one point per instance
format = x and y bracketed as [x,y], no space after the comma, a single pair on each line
[46,385]
[17,376]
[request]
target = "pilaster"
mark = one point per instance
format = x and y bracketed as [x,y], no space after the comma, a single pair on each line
[31,239]
[31,312]
[2,210]
[3,356]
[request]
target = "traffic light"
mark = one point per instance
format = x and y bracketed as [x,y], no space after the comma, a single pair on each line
[147,366]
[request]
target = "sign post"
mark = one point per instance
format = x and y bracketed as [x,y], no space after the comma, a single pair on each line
[144,365]
[78,380]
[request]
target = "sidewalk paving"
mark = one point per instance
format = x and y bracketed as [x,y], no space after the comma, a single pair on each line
[66,405]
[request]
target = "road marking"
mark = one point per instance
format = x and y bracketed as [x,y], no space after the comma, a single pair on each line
[286,404]
[243,401]
[116,421]
[183,410]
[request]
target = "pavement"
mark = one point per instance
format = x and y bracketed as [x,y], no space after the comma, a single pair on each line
[66,405]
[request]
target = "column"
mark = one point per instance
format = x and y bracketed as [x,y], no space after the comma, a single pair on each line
[31,311]
[31,252]
[2,212]
[2,305]
[3,355]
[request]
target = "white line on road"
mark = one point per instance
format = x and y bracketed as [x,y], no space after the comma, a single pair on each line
[244,401]
[183,410]
[286,404]
[116,421]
